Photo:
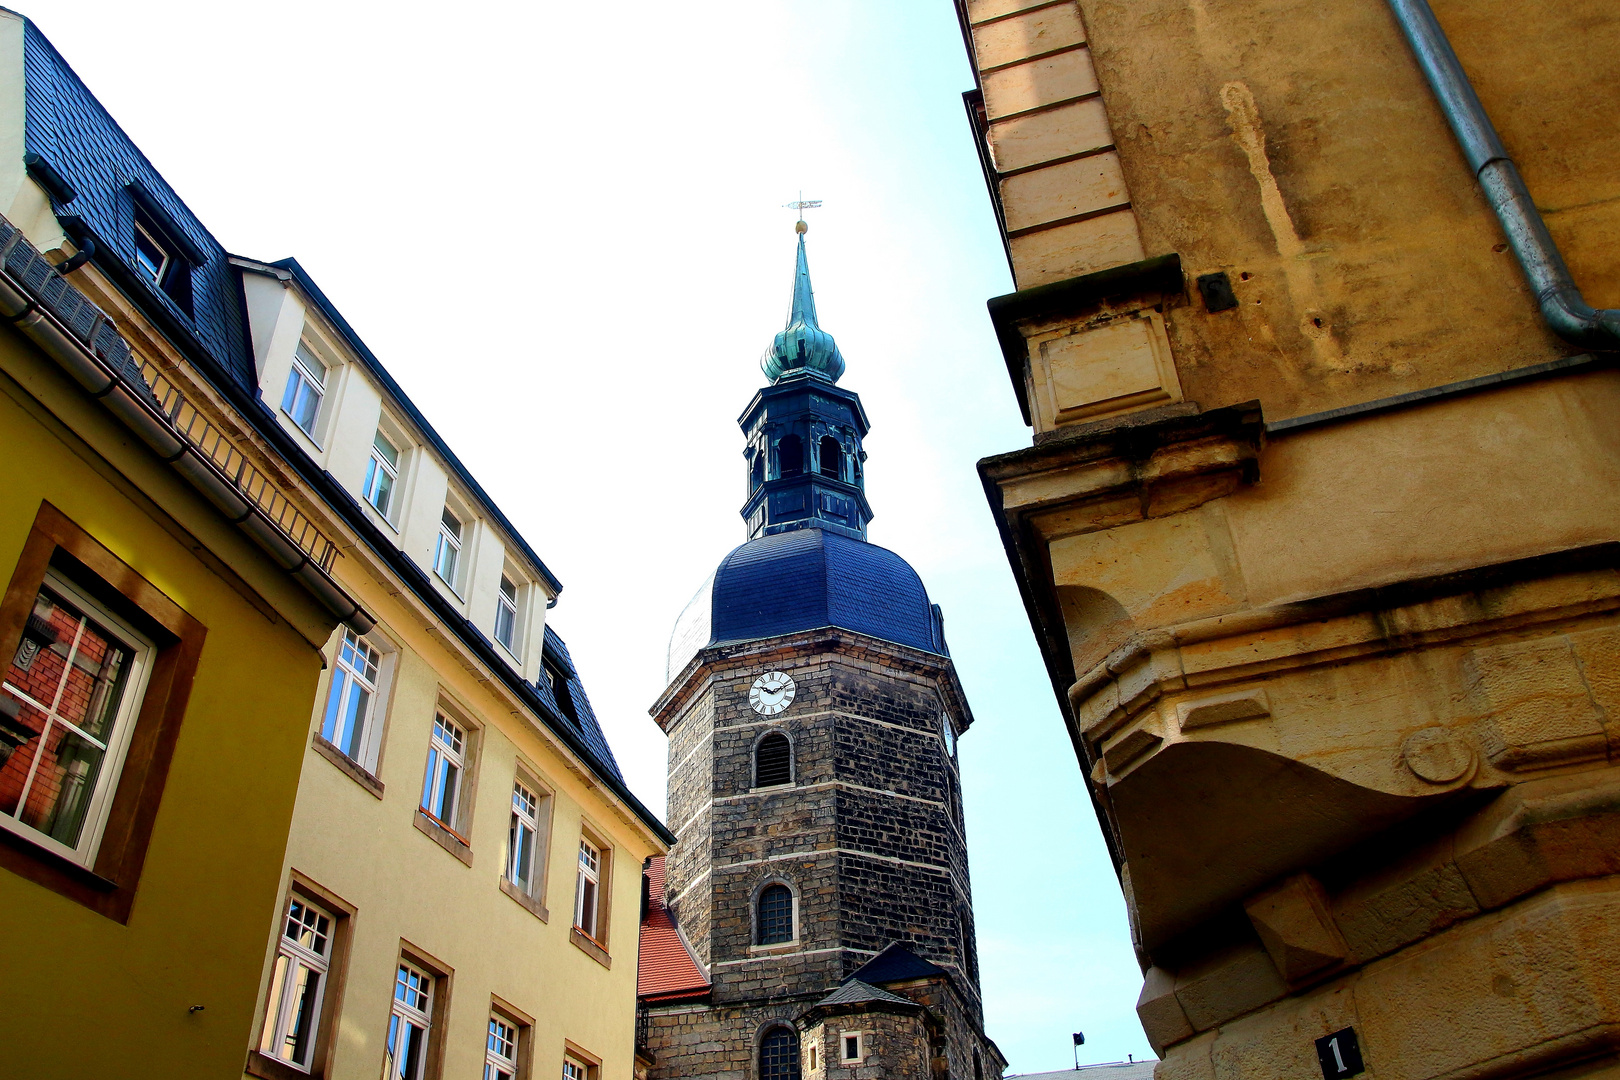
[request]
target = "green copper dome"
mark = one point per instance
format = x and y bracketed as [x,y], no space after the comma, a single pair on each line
[802,346]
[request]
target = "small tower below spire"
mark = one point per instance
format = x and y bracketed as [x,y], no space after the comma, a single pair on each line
[806,468]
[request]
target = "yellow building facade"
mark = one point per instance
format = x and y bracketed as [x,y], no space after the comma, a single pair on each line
[166,605]
[464,824]
[317,791]
[1318,526]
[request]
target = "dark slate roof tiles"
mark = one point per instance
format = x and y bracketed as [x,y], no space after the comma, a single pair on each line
[590,730]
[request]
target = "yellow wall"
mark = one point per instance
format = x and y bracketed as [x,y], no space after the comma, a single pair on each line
[84,995]
[405,886]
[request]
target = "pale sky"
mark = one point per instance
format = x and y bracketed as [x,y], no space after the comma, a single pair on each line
[561,228]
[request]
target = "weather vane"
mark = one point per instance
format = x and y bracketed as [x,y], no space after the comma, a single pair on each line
[801,205]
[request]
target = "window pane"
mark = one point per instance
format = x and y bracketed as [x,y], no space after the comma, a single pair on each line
[149,255]
[386,449]
[451,523]
[300,1039]
[521,842]
[70,675]
[779,1055]
[316,369]
[505,619]
[775,915]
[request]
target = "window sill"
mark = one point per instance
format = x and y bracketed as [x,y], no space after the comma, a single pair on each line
[531,903]
[455,592]
[590,946]
[310,438]
[268,1068]
[352,768]
[378,516]
[779,947]
[445,838]
[773,787]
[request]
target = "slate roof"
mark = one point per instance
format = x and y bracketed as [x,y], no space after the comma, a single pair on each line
[897,963]
[69,128]
[589,729]
[803,580]
[666,970]
[854,992]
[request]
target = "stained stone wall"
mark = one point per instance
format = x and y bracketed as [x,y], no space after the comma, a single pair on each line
[867,836]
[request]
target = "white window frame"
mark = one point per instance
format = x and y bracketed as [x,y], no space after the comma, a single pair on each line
[590,873]
[114,748]
[358,669]
[447,548]
[501,1043]
[843,1047]
[528,805]
[293,955]
[412,1006]
[156,239]
[447,750]
[302,376]
[506,604]
[575,1069]
[380,471]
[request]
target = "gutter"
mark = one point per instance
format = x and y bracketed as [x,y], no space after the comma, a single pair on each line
[1560,300]
[83,341]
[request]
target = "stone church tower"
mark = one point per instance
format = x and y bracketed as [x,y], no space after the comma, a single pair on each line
[815,918]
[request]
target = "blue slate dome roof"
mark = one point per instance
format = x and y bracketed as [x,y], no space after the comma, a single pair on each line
[803,580]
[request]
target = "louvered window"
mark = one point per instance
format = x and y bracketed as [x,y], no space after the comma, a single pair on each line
[775,915]
[773,761]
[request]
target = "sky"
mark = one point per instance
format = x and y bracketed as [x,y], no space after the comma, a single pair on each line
[561,227]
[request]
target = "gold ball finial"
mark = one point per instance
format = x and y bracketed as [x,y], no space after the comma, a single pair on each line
[800,227]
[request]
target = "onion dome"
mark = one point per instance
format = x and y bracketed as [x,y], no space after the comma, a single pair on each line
[802,346]
[788,582]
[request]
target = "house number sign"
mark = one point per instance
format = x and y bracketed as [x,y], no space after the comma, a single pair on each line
[1340,1055]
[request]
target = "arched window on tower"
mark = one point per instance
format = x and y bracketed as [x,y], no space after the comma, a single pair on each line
[774,924]
[756,472]
[773,761]
[790,456]
[832,457]
[779,1055]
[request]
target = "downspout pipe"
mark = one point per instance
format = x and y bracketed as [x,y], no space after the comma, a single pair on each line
[1569,316]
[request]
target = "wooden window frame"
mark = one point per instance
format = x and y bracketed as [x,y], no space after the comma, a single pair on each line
[439,1007]
[532,897]
[377,467]
[320,1063]
[594,943]
[582,1057]
[289,398]
[505,1011]
[56,543]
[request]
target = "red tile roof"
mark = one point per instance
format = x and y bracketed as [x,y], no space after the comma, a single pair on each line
[667,970]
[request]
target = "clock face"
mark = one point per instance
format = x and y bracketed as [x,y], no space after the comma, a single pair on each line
[771,693]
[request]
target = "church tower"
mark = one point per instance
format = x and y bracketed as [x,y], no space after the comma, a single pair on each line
[815,918]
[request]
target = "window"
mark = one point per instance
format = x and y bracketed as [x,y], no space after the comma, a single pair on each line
[832,457]
[409,1023]
[298,982]
[501,1049]
[773,761]
[779,1055]
[775,921]
[574,1070]
[812,1056]
[381,473]
[560,690]
[523,838]
[948,732]
[74,686]
[441,787]
[506,612]
[350,703]
[125,686]
[306,384]
[151,253]
[448,549]
[851,1044]
[587,898]
[756,472]
[978,1065]
[789,456]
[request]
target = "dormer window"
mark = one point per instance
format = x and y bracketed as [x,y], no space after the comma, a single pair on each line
[306,386]
[151,254]
[558,679]
[162,260]
[381,472]
[506,613]
[447,549]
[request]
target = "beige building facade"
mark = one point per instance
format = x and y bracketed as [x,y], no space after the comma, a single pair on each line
[1318,526]
[463,876]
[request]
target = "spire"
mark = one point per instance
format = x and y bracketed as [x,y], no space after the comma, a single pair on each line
[802,346]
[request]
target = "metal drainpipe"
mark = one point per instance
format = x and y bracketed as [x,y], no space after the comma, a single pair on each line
[1570,317]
